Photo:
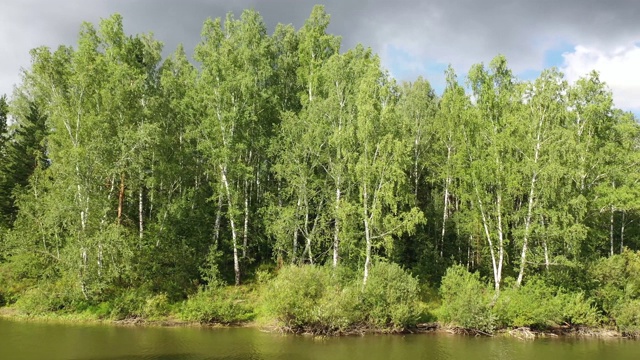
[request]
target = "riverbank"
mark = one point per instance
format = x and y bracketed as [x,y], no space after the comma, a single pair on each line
[521,333]
[322,301]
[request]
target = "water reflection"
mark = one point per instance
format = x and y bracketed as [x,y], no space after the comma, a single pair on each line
[19,340]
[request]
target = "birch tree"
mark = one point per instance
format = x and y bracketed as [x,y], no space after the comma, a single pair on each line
[236,67]
[491,156]
[383,155]
[544,111]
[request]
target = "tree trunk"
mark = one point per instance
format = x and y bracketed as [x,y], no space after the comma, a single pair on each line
[445,215]
[544,245]
[234,237]
[611,229]
[367,235]
[245,232]
[140,214]
[527,225]
[216,225]
[624,219]
[500,243]
[294,253]
[336,238]
[496,269]
[121,199]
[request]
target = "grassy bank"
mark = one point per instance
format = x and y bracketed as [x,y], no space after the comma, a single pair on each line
[326,301]
[307,299]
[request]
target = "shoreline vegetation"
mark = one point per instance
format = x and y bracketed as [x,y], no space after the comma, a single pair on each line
[279,181]
[318,301]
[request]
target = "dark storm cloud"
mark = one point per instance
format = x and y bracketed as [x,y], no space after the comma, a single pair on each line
[464,32]
[445,31]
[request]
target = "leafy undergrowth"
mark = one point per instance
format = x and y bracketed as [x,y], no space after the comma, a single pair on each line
[326,301]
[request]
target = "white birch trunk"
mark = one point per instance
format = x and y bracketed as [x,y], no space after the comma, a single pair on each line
[367,235]
[234,237]
[216,225]
[294,254]
[611,229]
[500,242]
[624,213]
[485,224]
[140,214]
[245,233]
[336,236]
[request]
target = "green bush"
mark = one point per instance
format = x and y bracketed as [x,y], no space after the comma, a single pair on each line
[627,317]
[61,295]
[156,306]
[100,311]
[539,304]
[534,304]
[391,297]
[616,280]
[466,300]
[326,300]
[128,304]
[577,309]
[216,305]
[35,302]
[292,298]
[340,309]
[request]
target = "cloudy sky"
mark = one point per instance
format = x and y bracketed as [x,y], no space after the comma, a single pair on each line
[413,37]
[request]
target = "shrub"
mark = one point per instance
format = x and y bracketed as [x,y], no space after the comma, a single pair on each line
[128,304]
[61,295]
[292,298]
[391,297]
[617,280]
[540,304]
[340,309]
[10,285]
[533,304]
[156,306]
[579,310]
[216,305]
[326,300]
[100,311]
[627,316]
[466,300]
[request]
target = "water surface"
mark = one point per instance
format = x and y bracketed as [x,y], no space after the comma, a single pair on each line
[30,341]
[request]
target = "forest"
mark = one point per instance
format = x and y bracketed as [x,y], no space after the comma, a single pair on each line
[281,175]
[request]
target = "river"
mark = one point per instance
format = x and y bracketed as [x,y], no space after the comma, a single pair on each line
[31,340]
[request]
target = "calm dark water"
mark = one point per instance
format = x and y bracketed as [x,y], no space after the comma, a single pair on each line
[23,340]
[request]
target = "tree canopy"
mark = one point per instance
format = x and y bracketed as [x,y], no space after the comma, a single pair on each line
[123,170]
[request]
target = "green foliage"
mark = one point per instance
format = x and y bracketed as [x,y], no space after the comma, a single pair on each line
[323,300]
[539,304]
[63,295]
[156,306]
[533,304]
[627,317]
[466,300]
[11,285]
[128,183]
[577,309]
[617,289]
[573,276]
[216,305]
[339,310]
[292,298]
[391,297]
[616,279]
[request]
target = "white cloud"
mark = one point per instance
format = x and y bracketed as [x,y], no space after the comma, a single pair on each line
[619,68]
